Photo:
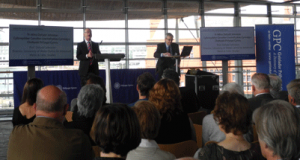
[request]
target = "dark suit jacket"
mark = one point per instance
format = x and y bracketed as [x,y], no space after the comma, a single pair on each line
[81,122]
[47,139]
[165,62]
[259,100]
[84,66]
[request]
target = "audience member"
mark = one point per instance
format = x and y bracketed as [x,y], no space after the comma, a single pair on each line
[275,90]
[277,125]
[234,119]
[189,100]
[149,119]
[144,84]
[294,92]
[175,124]
[91,79]
[261,90]
[210,128]
[116,131]
[89,101]
[46,137]
[25,113]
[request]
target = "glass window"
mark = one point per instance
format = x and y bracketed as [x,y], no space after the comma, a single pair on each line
[281,10]
[218,21]
[233,78]
[252,21]
[245,86]
[227,8]
[253,9]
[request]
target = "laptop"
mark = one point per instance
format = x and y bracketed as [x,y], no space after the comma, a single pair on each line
[186,51]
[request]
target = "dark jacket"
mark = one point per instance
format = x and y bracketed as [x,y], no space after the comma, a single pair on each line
[84,66]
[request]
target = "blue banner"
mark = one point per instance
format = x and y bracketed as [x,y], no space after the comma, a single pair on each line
[275,52]
[123,83]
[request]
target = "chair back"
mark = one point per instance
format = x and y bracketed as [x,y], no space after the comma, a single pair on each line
[197,117]
[69,116]
[198,129]
[182,149]
[209,142]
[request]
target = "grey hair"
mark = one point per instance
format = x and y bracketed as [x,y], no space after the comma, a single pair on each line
[293,89]
[233,88]
[169,34]
[276,83]
[261,81]
[46,106]
[277,124]
[90,99]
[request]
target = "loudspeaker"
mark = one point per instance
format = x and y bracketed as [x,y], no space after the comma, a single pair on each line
[206,86]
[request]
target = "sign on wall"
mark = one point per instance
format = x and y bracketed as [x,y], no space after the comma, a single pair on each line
[275,53]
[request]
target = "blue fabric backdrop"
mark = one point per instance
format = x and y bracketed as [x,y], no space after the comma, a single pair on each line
[275,51]
[123,83]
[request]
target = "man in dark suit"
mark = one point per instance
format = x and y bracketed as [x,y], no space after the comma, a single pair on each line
[261,90]
[275,90]
[85,51]
[294,92]
[46,137]
[163,53]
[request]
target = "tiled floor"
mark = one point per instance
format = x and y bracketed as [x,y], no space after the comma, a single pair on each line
[5,129]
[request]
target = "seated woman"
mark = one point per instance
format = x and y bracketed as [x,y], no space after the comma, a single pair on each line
[149,119]
[175,124]
[25,113]
[210,129]
[89,101]
[234,118]
[116,130]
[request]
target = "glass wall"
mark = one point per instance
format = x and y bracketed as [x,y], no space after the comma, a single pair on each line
[134,27]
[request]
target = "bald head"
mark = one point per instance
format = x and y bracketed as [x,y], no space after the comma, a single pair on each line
[51,99]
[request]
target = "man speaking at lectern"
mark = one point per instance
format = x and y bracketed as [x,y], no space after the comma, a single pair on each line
[163,53]
[85,51]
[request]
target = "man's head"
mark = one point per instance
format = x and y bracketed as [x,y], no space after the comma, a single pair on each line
[171,74]
[94,79]
[169,39]
[90,99]
[277,125]
[87,34]
[293,89]
[233,88]
[276,83]
[260,83]
[51,102]
[144,83]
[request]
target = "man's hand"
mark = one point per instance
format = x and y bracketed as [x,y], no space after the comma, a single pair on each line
[90,54]
[167,54]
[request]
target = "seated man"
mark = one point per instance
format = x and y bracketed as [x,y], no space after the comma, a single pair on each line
[46,137]
[145,82]
[277,125]
[294,93]
[149,120]
[261,91]
[275,90]
[92,79]
[89,101]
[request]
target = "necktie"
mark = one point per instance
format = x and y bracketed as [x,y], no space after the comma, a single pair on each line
[169,49]
[89,48]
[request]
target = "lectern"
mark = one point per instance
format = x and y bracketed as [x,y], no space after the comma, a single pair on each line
[107,58]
